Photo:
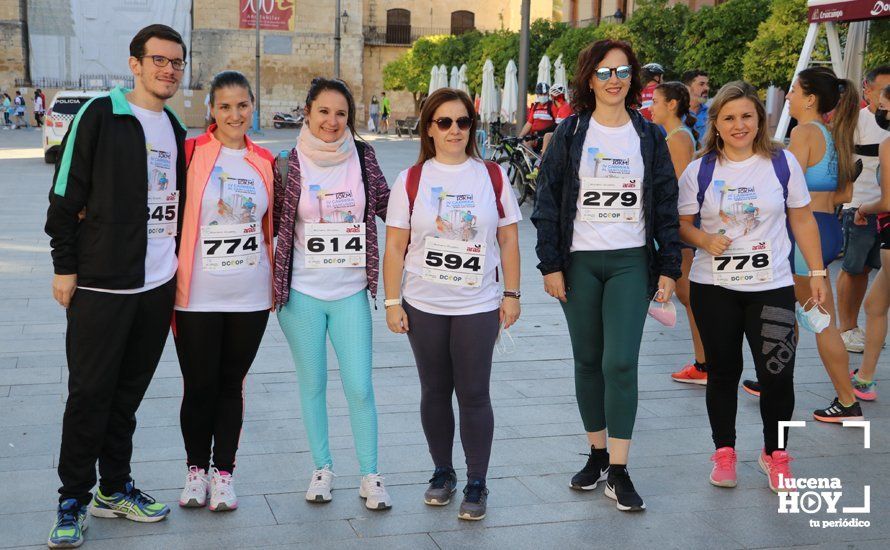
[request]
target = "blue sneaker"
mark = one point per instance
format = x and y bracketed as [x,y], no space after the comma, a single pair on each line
[132,504]
[71,522]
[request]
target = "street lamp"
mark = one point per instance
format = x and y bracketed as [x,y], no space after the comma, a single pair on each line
[344,17]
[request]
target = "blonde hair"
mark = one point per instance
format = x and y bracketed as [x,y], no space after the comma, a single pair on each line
[739,89]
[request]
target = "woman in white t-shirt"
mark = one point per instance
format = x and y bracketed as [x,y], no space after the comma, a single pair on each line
[451,224]
[607,194]
[223,287]
[745,188]
[326,262]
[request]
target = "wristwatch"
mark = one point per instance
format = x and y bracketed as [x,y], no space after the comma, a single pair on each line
[819,273]
[393,302]
[512,294]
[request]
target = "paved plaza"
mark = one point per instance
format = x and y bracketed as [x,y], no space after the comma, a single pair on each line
[538,432]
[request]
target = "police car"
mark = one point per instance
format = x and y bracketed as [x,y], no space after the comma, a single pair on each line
[61,112]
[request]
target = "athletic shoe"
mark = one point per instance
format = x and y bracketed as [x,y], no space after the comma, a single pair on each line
[442,486]
[620,488]
[837,413]
[752,387]
[776,467]
[596,470]
[222,491]
[690,375]
[475,498]
[723,474]
[374,492]
[71,522]
[866,391]
[194,494]
[854,340]
[320,485]
[132,504]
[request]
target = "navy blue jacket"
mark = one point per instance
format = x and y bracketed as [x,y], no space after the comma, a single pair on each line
[556,201]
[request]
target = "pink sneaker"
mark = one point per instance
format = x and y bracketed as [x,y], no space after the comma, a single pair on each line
[776,467]
[723,474]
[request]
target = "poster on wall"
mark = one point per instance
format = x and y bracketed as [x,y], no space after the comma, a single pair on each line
[275,15]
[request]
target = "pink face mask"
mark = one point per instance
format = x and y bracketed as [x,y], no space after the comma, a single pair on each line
[665,313]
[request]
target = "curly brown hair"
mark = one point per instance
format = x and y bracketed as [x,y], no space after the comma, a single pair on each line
[583,97]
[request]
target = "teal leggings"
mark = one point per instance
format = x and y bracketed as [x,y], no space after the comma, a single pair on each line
[305,320]
[606,310]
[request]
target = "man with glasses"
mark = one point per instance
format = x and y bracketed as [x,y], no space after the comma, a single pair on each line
[113,221]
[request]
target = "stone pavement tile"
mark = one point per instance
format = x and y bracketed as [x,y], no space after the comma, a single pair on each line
[31,411]
[616,530]
[398,542]
[25,462]
[24,390]
[4,391]
[30,375]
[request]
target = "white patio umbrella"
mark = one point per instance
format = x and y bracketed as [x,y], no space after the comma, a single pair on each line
[434,80]
[462,79]
[510,97]
[544,71]
[853,51]
[488,105]
[454,81]
[559,73]
[443,76]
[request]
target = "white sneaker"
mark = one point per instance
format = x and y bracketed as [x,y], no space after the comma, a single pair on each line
[222,492]
[374,493]
[320,485]
[194,494]
[854,340]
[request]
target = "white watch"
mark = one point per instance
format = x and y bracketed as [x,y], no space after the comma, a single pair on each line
[393,302]
[819,273]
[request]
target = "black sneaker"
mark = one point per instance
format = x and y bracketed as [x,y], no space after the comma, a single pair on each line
[442,486]
[837,413]
[752,387]
[620,488]
[594,471]
[475,499]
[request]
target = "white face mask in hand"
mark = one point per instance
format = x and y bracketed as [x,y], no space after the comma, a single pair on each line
[504,345]
[665,313]
[815,320]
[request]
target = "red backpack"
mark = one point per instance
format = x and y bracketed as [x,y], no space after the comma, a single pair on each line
[494,174]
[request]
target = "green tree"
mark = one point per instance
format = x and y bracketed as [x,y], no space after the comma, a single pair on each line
[500,47]
[569,44]
[657,31]
[877,52]
[714,39]
[772,56]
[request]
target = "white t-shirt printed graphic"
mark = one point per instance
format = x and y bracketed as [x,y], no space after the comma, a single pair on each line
[234,197]
[330,194]
[610,153]
[745,202]
[454,202]
[161,151]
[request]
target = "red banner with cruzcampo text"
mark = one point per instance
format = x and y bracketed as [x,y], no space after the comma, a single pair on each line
[824,11]
[275,15]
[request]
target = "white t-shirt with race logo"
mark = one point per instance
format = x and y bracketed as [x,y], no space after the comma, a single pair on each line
[454,202]
[745,202]
[866,188]
[609,153]
[160,145]
[234,197]
[330,194]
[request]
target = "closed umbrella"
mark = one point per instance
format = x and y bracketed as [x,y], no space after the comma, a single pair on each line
[434,80]
[855,50]
[559,73]
[443,76]
[544,71]
[453,81]
[462,79]
[511,94]
[488,106]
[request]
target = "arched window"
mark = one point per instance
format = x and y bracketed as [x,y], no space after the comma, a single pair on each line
[462,21]
[398,26]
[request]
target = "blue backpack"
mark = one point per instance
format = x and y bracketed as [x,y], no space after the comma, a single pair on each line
[709,162]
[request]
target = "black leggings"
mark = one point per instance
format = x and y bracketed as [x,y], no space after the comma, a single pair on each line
[215,352]
[766,320]
[453,355]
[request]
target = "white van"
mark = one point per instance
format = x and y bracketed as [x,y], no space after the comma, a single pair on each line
[61,112]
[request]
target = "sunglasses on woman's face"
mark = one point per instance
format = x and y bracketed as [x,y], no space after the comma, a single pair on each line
[445,123]
[605,73]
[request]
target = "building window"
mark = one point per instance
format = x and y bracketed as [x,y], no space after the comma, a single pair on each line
[462,21]
[398,26]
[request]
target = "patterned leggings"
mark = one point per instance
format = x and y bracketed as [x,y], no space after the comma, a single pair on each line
[766,320]
[305,321]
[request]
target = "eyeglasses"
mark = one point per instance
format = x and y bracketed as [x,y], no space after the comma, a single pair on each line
[605,73]
[445,123]
[161,61]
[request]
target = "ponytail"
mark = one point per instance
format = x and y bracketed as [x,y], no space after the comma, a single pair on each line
[843,129]
[677,91]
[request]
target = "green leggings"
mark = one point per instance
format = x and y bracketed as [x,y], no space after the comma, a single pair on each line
[606,310]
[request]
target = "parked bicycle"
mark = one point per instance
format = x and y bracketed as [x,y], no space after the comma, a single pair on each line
[517,158]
